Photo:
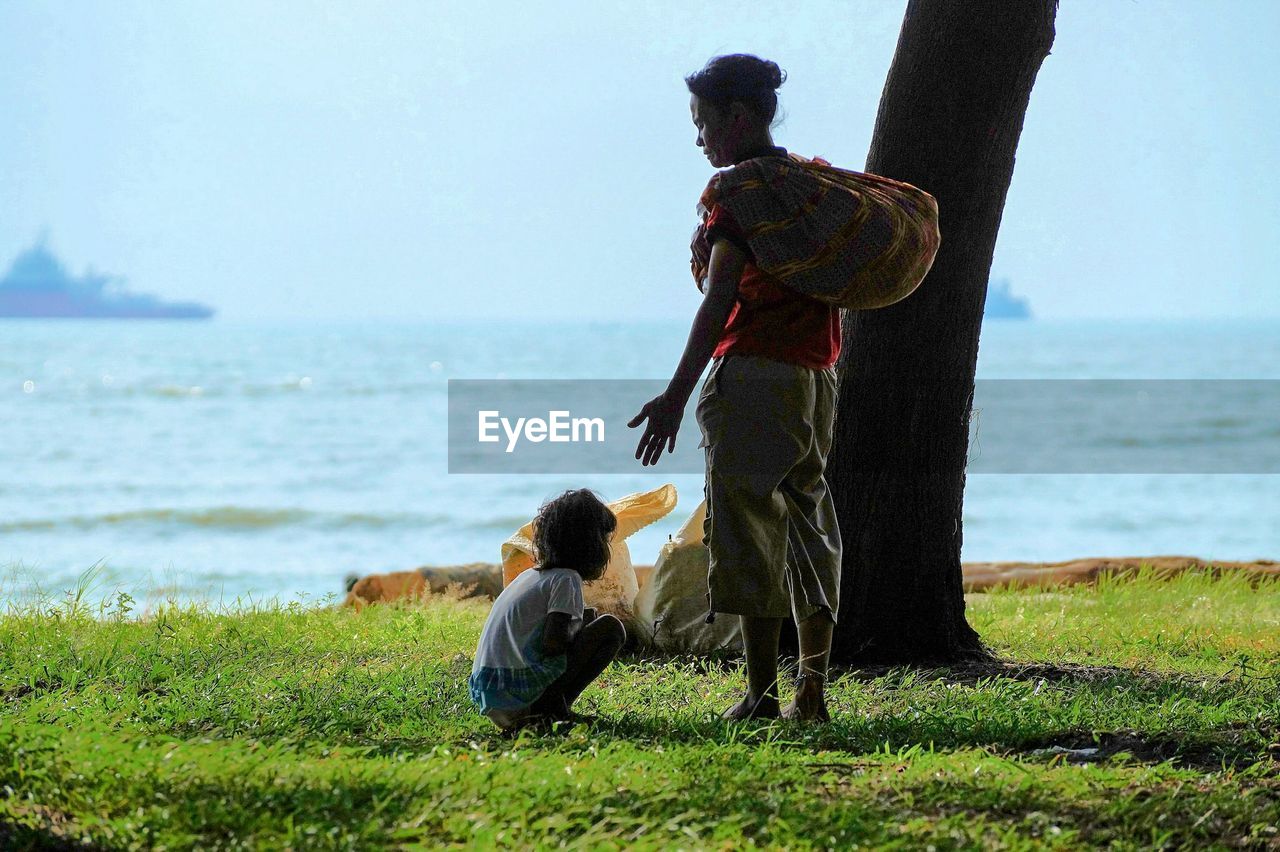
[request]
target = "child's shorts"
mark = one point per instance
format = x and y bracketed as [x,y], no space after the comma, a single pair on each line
[504,695]
[771,523]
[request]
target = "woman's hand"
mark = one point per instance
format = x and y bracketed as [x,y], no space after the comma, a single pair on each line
[664,414]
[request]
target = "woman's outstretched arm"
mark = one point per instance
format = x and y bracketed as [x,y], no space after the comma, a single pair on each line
[665,411]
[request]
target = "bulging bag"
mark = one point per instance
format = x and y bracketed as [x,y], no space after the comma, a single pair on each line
[671,609]
[847,238]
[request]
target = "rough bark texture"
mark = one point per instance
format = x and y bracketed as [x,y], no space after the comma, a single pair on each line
[949,121]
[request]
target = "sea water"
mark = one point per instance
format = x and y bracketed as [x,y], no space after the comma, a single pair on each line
[251,460]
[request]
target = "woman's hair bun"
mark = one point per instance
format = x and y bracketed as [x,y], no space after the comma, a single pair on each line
[775,76]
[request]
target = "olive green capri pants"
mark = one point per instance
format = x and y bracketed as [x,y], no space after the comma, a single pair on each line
[771,523]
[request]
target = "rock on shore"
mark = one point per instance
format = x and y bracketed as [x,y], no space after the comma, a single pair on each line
[484,579]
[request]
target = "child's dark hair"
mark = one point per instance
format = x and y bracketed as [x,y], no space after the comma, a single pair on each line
[572,531]
[739,77]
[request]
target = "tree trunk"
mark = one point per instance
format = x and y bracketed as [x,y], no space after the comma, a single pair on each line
[949,121]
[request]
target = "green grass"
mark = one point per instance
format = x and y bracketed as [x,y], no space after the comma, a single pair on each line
[295,726]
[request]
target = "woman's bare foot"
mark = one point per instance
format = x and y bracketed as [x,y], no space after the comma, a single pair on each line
[810,704]
[765,707]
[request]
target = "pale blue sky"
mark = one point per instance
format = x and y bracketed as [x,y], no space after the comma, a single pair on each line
[454,160]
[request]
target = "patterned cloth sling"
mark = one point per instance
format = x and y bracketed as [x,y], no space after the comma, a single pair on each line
[847,238]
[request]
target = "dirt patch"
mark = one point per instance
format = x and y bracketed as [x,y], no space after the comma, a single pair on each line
[35,826]
[1225,751]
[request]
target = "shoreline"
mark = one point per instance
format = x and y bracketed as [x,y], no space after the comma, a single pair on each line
[486,577]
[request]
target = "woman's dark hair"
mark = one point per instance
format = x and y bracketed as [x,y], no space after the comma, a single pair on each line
[739,77]
[572,531]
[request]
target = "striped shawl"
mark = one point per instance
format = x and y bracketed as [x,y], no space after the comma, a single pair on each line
[847,238]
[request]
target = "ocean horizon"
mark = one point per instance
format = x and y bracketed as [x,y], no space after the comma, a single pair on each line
[233,458]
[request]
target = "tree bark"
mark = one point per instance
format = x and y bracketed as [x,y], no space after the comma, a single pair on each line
[949,121]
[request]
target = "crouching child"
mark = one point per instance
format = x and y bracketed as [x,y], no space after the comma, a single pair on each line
[540,648]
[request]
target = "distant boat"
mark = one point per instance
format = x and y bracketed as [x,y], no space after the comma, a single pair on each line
[1002,304]
[38,286]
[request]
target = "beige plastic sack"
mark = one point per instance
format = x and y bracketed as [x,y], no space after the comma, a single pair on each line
[671,609]
[616,591]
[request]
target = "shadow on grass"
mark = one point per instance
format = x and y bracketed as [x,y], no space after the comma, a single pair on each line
[1234,745]
[1031,711]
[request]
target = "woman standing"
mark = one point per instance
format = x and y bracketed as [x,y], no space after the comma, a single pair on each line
[766,409]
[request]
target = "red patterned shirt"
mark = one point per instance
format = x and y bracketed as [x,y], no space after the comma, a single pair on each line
[769,319]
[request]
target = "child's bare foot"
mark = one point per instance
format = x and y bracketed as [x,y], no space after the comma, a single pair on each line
[549,719]
[810,704]
[764,707]
[541,723]
[533,722]
[572,718]
[553,707]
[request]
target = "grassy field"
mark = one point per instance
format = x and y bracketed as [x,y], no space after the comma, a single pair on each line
[1137,714]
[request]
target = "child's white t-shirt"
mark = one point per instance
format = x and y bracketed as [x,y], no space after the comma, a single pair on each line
[521,610]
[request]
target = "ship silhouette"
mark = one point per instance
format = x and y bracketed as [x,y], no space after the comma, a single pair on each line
[38,285]
[1002,304]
